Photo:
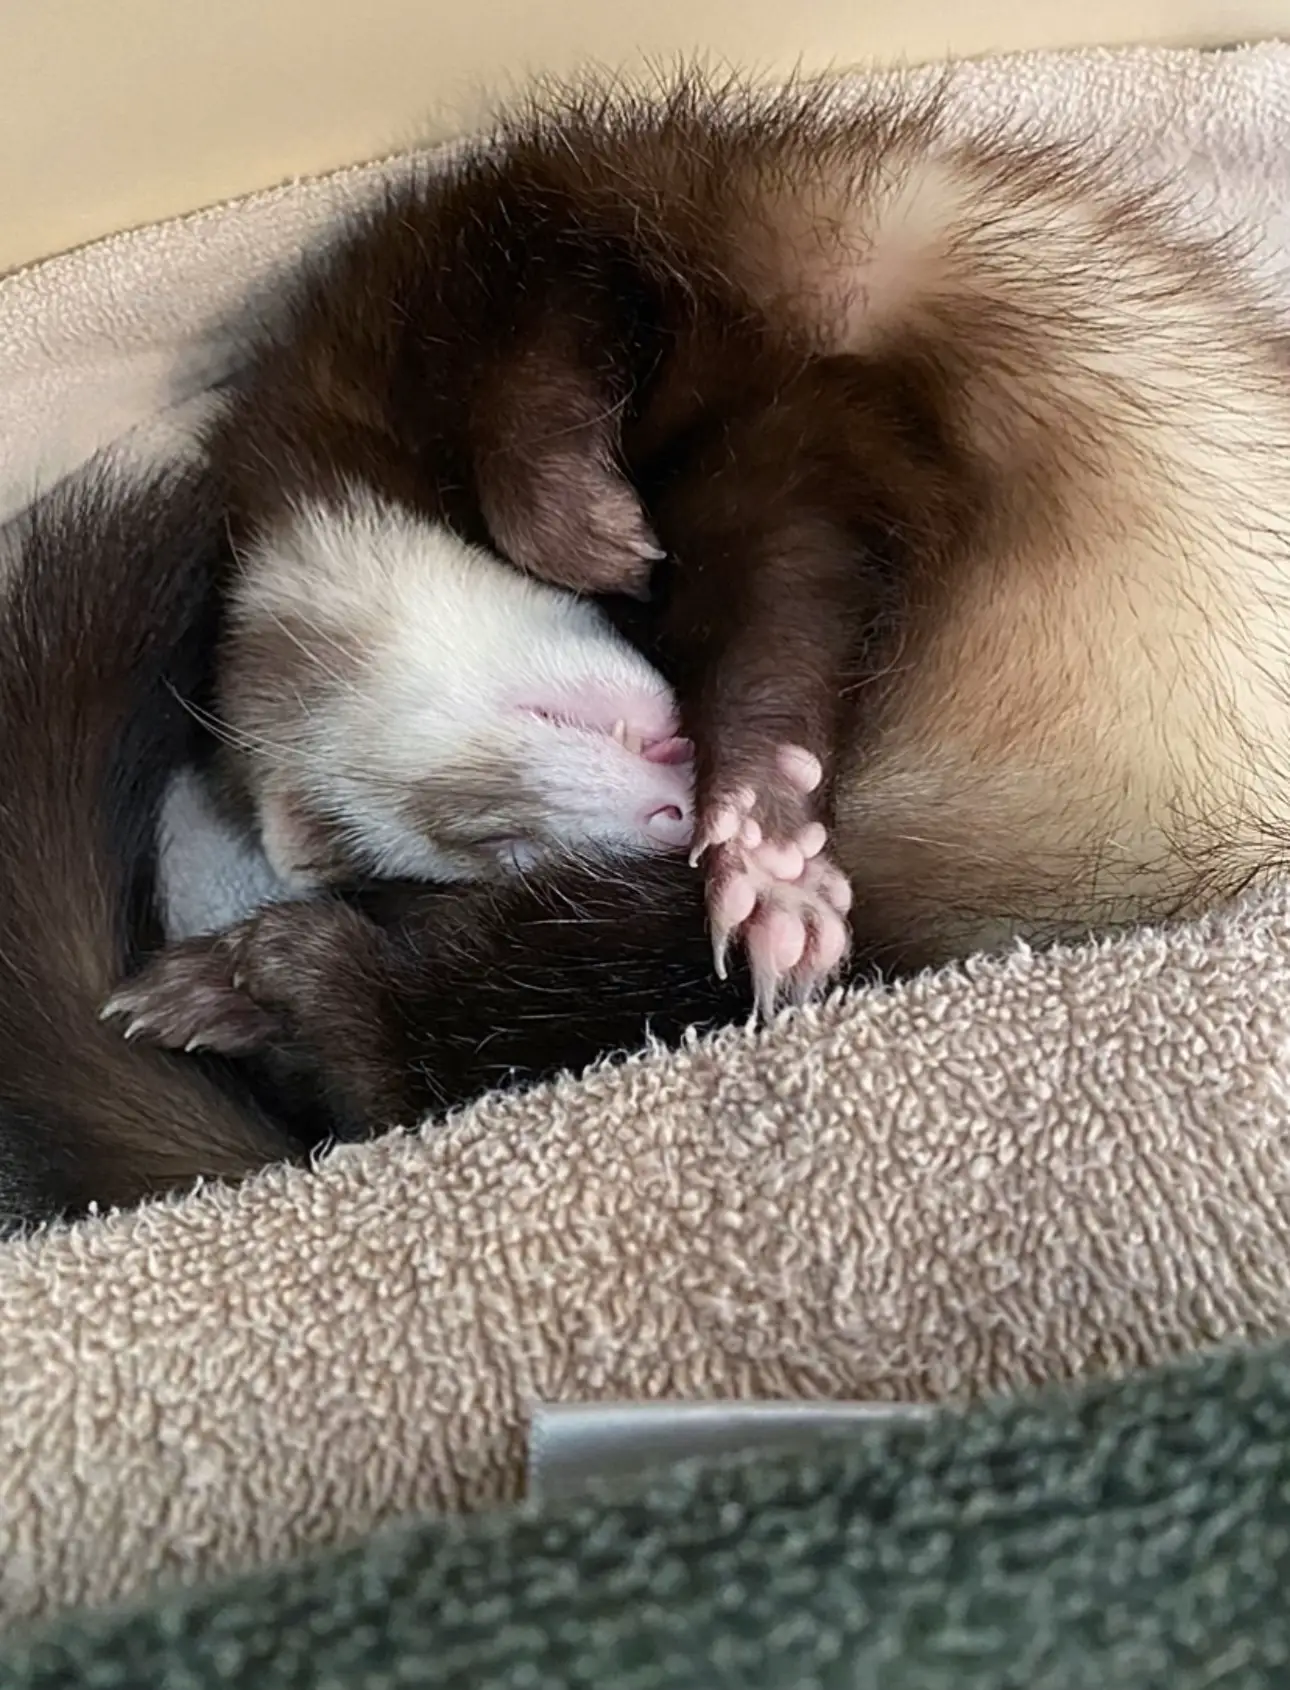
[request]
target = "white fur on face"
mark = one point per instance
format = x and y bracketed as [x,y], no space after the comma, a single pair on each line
[441,713]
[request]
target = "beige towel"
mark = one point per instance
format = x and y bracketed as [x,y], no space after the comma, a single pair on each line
[1023,1170]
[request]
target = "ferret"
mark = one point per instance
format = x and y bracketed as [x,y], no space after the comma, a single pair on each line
[951,477]
[113,594]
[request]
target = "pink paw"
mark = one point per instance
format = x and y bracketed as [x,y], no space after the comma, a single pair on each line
[783,897]
[794,931]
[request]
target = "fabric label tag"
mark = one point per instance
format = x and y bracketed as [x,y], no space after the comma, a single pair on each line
[570,1443]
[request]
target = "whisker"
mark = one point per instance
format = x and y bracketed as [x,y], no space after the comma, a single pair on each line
[239,739]
[309,653]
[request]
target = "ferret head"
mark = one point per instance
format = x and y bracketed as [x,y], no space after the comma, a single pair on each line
[401,704]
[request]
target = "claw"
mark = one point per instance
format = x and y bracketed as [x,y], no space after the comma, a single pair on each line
[720,952]
[723,824]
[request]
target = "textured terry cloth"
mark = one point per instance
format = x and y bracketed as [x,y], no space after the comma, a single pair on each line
[1130,1537]
[1026,1170]
[1033,1168]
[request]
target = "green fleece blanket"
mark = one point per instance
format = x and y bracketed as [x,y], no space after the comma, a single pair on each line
[1132,1534]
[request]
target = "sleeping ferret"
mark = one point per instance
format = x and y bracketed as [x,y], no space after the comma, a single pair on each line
[113,591]
[970,473]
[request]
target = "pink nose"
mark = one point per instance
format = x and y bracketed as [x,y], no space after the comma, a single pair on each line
[670,824]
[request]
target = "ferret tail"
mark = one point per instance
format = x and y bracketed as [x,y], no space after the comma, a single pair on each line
[107,601]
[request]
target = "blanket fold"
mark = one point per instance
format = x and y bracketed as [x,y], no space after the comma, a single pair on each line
[1128,1537]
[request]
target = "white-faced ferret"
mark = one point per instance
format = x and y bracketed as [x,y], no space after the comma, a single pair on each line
[112,592]
[972,475]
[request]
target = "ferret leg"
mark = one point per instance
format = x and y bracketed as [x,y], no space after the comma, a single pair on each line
[424,998]
[794,526]
[762,625]
[312,985]
[548,476]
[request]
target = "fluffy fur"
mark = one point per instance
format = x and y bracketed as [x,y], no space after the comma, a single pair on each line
[109,606]
[410,998]
[115,588]
[400,702]
[969,471]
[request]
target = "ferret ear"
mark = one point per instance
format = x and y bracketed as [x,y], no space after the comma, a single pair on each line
[298,847]
[568,517]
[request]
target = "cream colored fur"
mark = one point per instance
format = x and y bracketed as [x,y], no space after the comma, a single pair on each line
[428,697]
[1108,704]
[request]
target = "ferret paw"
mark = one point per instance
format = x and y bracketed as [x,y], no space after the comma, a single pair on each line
[237,991]
[619,549]
[794,931]
[738,816]
[189,998]
[572,519]
[772,888]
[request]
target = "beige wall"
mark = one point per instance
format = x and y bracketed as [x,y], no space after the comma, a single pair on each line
[114,112]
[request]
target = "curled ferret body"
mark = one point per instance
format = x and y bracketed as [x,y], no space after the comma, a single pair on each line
[111,595]
[968,466]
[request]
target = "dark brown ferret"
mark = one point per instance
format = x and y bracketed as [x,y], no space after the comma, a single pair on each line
[970,471]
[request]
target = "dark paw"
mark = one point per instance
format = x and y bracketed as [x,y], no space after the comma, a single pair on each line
[237,991]
[188,998]
[575,522]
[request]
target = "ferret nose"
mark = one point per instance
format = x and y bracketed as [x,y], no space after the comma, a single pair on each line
[670,824]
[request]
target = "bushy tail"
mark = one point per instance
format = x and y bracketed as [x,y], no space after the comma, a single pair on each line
[107,596]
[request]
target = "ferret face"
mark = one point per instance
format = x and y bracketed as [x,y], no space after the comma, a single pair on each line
[401,704]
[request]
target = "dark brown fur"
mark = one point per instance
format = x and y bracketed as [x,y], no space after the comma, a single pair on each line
[550,337]
[108,616]
[411,999]
[969,553]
